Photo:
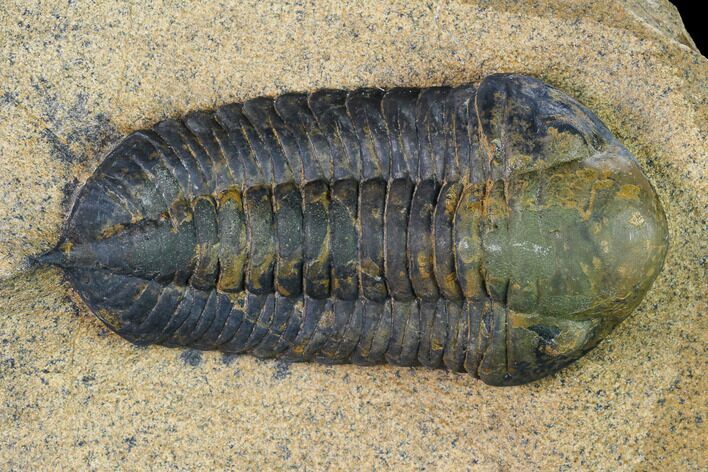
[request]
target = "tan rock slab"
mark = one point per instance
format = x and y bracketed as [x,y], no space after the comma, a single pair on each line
[76,75]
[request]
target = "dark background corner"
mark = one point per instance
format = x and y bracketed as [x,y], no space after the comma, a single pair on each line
[694,17]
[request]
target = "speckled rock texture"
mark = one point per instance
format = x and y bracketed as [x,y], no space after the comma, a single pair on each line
[76,76]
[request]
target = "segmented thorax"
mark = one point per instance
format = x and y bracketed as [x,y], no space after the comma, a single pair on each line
[498,229]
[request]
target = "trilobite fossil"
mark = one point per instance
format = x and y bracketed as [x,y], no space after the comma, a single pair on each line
[497,229]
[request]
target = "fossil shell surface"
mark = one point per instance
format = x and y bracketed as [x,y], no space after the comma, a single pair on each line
[498,229]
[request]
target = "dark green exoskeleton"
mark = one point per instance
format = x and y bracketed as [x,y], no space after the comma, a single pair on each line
[497,229]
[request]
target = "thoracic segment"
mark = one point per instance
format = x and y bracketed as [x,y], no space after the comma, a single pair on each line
[357,294]
[316,235]
[345,240]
